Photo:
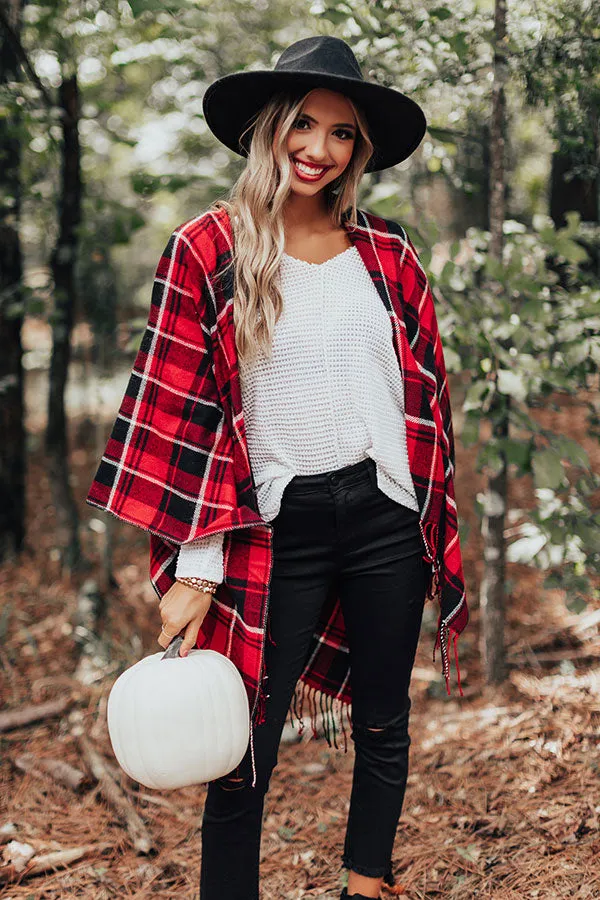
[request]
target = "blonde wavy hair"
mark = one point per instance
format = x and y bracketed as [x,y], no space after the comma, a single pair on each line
[255,206]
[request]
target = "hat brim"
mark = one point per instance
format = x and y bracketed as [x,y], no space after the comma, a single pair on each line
[396,123]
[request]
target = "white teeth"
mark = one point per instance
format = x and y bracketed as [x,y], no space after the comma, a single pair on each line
[307,170]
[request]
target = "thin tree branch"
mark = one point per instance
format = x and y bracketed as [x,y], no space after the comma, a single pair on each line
[13,37]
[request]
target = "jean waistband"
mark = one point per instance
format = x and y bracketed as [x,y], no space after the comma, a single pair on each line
[356,473]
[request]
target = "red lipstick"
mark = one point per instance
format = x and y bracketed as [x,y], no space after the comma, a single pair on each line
[305,176]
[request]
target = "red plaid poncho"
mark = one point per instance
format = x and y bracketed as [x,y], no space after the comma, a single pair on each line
[177,463]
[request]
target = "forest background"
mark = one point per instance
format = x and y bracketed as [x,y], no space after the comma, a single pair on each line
[104,151]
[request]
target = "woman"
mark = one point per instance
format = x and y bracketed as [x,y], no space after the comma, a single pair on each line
[286,438]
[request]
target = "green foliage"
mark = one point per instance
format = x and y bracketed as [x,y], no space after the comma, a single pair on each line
[139,7]
[559,63]
[147,185]
[523,332]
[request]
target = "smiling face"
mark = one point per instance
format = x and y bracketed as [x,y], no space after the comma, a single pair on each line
[321,141]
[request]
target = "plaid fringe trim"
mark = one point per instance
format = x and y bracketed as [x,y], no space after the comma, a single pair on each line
[442,640]
[332,711]
[445,632]
[331,708]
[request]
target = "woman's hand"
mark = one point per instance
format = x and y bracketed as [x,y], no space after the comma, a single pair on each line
[182,607]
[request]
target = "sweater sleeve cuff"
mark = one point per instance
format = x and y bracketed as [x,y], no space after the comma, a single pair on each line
[202,558]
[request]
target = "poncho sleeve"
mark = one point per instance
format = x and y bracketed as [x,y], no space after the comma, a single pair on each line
[449,586]
[165,467]
[429,348]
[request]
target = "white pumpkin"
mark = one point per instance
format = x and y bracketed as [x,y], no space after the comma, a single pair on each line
[180,720]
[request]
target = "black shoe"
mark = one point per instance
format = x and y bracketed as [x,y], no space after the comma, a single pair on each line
[346,896]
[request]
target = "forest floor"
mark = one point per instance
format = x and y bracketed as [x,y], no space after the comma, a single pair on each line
[502,799]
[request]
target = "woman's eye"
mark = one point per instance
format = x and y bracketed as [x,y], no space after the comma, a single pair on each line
[343,132]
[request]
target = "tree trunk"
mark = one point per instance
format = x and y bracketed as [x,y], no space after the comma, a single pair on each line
[63,270]
[12,445]
[492,593]
[578,193]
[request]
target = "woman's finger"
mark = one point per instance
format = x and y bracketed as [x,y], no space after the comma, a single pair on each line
[165,639]
[190,636]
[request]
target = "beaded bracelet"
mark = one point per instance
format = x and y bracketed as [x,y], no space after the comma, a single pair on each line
[199,584]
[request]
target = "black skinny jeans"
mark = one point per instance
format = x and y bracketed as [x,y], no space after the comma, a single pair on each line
[335,525]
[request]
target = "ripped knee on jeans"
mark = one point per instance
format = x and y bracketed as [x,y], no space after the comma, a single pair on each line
[397,722]
[232,782]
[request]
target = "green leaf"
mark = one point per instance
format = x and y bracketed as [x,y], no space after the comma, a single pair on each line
[441,13]
[336,15]
[570,249]
[552,581]
[475,394]
[442,134]
[145,184]
[469,434]
[416,237]
[577,353]
[589,536]
[36,306]
[573,217]
[576,603]
[459,44]
[490,457]
[547,469]
[453,363]
[494,268]
[518,452]
[387,207]
[125,224]
[425,257]
[138,7]
[572,451]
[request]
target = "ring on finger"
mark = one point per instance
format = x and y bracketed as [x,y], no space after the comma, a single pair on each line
[166,633]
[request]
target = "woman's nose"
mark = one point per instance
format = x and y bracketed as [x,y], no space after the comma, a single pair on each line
[316,151]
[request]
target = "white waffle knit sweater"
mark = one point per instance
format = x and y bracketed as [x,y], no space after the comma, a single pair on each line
[331,395]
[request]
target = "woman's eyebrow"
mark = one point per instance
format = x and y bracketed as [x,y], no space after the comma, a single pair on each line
[335,125]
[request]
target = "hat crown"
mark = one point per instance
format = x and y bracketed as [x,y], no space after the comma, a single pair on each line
[324,54]
[232,104]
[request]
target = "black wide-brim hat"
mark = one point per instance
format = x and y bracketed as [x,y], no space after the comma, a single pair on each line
[396,122]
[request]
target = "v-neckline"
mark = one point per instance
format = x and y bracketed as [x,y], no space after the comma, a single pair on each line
[307,262]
